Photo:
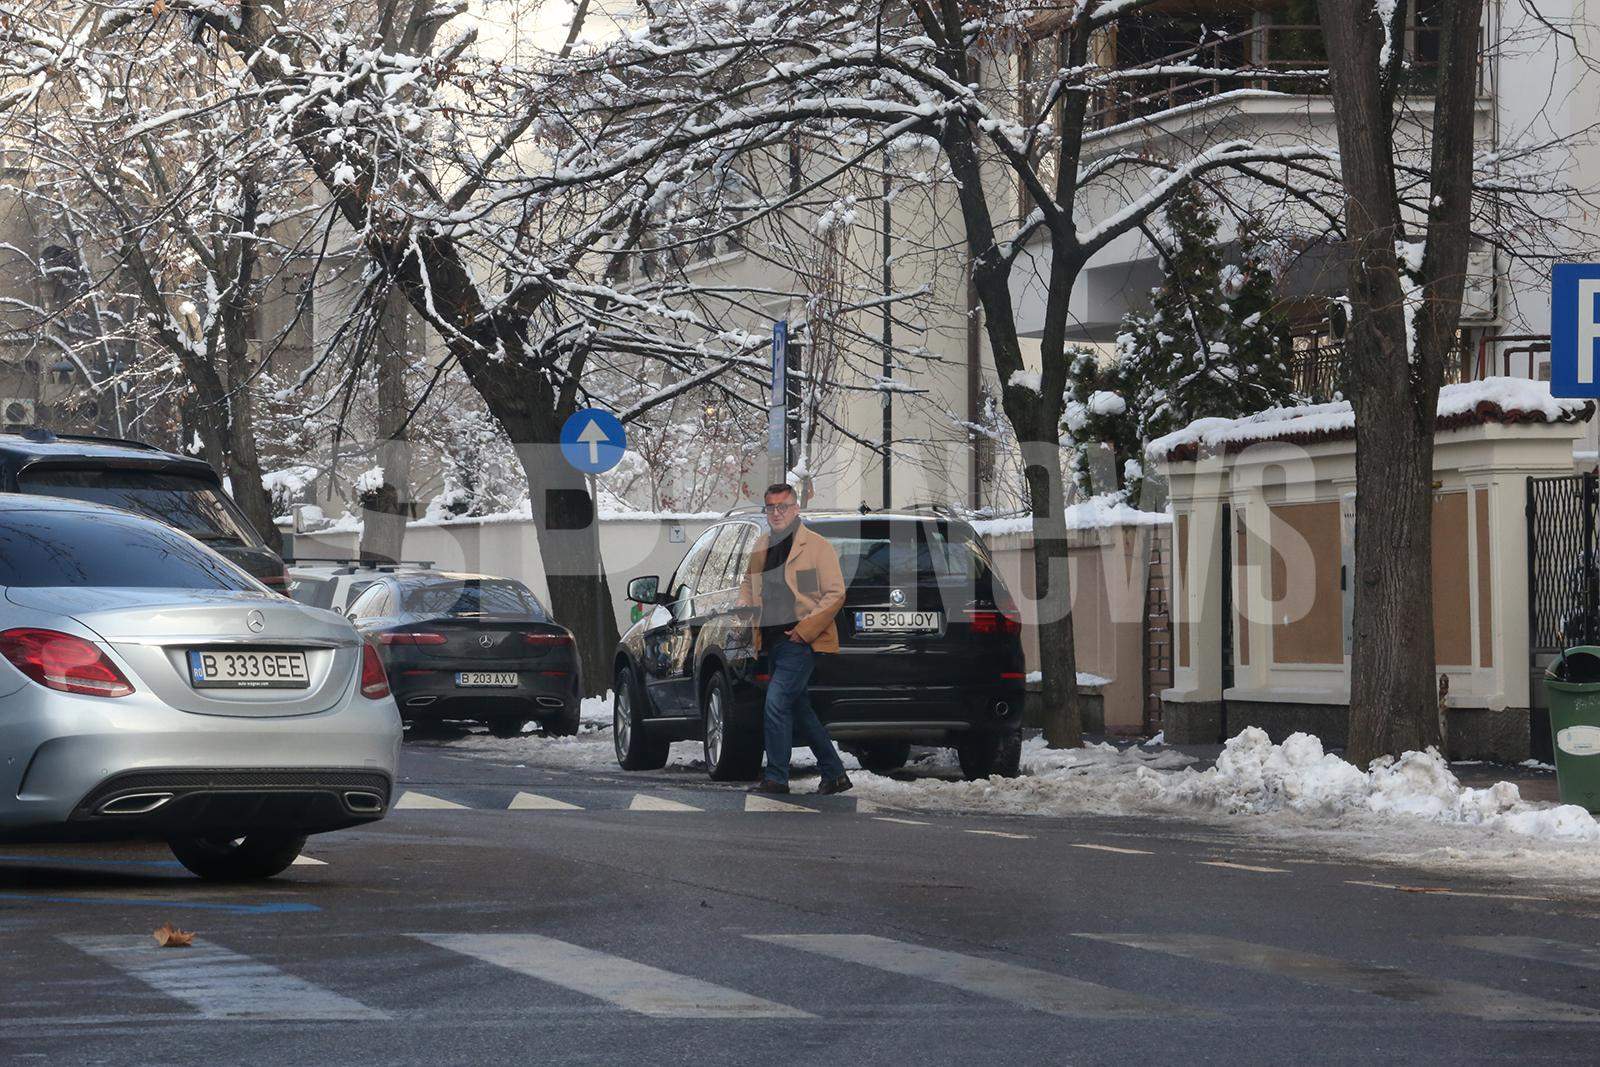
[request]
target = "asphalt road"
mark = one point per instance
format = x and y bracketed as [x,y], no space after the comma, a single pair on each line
[519,931]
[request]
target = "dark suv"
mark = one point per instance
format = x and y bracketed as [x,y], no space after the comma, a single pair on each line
[181,491]
[930,652]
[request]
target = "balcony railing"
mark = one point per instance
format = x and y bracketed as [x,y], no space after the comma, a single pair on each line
[1273,58]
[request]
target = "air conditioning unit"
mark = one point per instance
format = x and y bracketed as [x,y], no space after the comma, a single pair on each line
[1477,295]
[16,412]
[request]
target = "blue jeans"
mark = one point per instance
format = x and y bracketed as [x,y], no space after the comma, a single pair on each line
[789,716]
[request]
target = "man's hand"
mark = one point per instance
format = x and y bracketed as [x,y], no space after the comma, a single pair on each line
[794,635]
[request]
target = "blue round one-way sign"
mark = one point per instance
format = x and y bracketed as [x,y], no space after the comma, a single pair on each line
[593,440]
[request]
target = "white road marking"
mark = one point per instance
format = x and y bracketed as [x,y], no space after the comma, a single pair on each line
[1113,848]
[1542,949]
[1242,867]
[535,802]
[413,801]
[1002,833]
[903,822]
[1428,890]
[219,983]
[634,986]
[752,802]
[646,802]
[308,861]
[1040,990]
[1391,983]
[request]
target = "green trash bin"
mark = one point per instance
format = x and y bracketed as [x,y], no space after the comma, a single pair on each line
[1572,683]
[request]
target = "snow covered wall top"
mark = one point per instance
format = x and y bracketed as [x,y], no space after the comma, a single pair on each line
[1502,400]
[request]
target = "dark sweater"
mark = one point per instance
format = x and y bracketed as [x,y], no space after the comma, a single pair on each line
[777,599]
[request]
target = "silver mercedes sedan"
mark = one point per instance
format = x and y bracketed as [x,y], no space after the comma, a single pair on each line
[151,689]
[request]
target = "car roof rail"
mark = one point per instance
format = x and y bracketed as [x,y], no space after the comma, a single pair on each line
[928,506]
[743,509]
[359,563]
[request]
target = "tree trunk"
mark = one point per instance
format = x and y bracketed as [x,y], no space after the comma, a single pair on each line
[1395,371]
[385,514]
[1063,716]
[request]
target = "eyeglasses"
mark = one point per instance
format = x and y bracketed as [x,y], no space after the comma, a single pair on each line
[779,509]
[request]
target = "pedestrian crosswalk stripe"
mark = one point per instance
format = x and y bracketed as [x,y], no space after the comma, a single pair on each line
[1002,833]
[535,802]
[1041,990]
[1542,949]
[902,822]
[308,861]
[1391,983]
[753,802]
[1242,867]
[646,802]
[219,983]
[634,986]
[412,801]
[1113,848]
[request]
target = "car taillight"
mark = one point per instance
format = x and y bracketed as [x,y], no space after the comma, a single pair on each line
[546,640]
[993,622]
[411,639]
[62,662]
[278,581]
[374,683]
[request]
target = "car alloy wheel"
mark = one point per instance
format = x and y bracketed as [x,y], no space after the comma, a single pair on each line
[714,726]
[621,723]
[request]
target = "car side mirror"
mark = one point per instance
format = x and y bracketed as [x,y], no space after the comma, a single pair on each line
[645,590]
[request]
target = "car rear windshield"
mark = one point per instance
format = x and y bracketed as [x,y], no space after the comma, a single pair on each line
[493,596]
[49,549]
[313,592]
[884,552]
[192,505]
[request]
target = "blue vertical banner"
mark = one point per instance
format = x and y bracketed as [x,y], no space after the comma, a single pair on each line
[1575,330]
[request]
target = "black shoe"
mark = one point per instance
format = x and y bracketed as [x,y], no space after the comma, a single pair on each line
[767,785]
[834,785]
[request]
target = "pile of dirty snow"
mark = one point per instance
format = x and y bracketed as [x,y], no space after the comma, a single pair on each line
[1412,808]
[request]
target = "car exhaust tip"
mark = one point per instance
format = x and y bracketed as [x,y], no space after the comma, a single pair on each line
[420,702]
[551,702]
[134,804]
[1001,709]
[363,803]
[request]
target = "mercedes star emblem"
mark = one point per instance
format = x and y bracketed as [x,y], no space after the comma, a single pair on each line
[485,640]
[256,621]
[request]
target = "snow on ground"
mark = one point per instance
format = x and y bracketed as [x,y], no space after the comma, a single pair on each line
[1412,809]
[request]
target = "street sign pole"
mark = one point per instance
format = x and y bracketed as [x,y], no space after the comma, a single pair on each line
[778,405]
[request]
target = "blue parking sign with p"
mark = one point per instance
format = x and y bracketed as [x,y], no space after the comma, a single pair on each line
[1575,330]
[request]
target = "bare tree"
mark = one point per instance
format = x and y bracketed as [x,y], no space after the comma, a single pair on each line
[1397,345]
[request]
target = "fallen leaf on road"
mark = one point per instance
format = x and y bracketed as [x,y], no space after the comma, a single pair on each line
[169,936]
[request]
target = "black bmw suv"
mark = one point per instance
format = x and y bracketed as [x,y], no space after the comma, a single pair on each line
[930,651]
[181,491]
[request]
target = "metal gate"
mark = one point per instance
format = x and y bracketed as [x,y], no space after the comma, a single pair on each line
[1563,586]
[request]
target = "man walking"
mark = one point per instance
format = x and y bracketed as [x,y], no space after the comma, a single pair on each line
[794,582]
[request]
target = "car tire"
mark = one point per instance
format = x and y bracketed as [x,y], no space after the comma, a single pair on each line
[988,754]
[507,727]
[732,741]
[636,750]
[250,858]
[565,724]
[881,757]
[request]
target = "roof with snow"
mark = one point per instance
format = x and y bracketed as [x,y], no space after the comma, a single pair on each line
[1488,400]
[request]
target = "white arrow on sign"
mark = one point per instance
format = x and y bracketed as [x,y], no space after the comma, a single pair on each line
[593,436]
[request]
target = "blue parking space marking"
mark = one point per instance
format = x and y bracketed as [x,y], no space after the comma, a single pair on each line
[268,908]
[89,861]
